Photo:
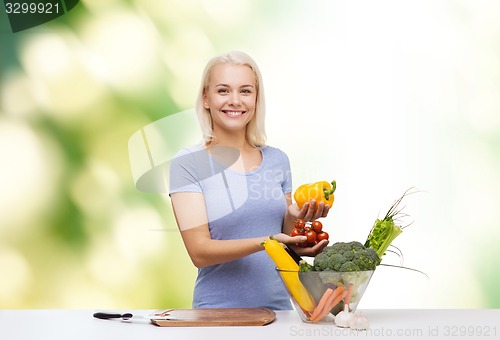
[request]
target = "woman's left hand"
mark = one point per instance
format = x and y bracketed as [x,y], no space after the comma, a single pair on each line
[309,211]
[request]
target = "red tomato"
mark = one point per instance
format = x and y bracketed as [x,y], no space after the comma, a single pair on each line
[311,236]
[317,226]
[322,236]
[299,223]
[297,232]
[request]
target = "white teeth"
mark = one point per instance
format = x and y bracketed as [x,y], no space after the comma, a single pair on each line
[233,113]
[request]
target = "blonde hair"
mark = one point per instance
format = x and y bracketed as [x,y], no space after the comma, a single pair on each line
[255,132]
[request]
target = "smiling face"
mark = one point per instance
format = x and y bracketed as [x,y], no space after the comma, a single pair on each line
[231,97]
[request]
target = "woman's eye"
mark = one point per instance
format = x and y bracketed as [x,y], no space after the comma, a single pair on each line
[246,91]
[222,91]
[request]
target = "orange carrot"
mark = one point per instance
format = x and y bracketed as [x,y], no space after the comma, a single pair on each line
[331,303]
[325,305]
[321,303]
[349,294]
[335,301]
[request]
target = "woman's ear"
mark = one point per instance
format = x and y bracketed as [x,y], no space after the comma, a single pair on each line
[205,102]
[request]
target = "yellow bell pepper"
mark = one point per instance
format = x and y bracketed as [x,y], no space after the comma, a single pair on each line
[319,191]
[290,275]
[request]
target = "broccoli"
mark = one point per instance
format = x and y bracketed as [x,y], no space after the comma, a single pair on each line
[349,266]
[321,262]
[304,266]
[346,257]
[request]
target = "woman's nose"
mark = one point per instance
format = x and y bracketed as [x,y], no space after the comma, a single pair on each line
[235,98]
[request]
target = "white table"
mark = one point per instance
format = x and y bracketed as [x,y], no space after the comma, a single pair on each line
[390,323]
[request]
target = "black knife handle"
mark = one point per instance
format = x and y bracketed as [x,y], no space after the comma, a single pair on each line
[101,315]
[293,254]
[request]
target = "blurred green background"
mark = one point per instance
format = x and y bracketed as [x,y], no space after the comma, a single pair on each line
[380,95]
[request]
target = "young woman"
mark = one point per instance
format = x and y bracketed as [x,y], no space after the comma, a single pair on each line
[233,191]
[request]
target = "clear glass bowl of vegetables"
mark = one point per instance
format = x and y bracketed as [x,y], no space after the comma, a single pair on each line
[338,277]
[320,295]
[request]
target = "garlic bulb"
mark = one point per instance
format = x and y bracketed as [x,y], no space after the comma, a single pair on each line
[342,318]
[358,321]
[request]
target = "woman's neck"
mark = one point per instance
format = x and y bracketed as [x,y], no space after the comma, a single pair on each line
[237,141]
[248,156]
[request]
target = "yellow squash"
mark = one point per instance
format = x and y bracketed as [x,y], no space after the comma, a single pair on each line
[290,274]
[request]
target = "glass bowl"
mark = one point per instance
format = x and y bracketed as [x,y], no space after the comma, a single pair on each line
[320,295]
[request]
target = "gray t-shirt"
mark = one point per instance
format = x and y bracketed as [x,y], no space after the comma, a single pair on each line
[239,205]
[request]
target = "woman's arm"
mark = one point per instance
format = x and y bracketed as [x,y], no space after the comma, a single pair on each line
[191,216]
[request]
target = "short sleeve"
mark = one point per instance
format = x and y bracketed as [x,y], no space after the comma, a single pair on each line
[183,176]
[287,175]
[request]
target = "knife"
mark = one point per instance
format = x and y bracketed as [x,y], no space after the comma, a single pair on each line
[127,316]
[105,316]
[294,255]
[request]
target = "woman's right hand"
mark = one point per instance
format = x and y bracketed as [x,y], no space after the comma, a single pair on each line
[294,242]
[287,239]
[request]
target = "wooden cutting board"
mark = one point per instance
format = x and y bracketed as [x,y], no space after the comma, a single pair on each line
[217,317]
